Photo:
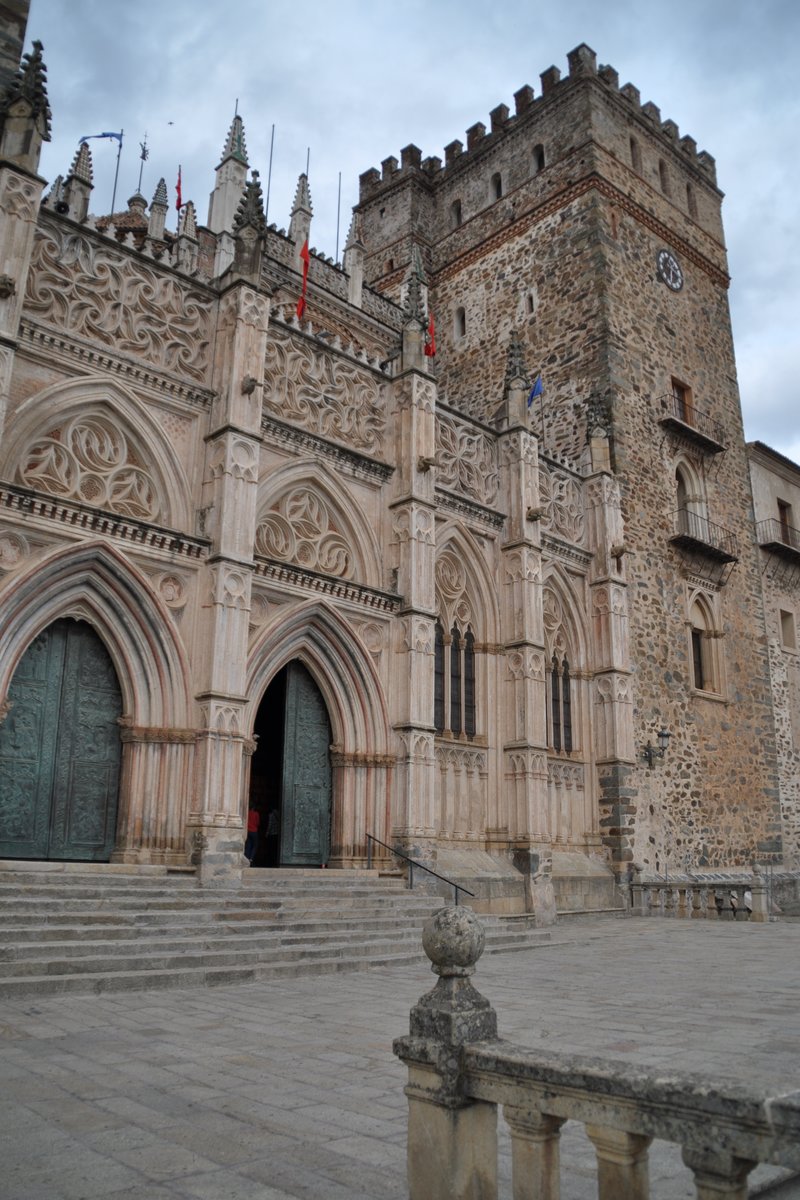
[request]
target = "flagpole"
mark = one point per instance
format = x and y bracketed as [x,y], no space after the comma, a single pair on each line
[116,173]
[338,216]
[143,156]
[269,172]
[541,409]
[308,160]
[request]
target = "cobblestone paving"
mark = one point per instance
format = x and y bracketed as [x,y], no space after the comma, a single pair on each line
[279,1091]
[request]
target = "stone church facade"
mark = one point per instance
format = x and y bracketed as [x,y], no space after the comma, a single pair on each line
[304,564]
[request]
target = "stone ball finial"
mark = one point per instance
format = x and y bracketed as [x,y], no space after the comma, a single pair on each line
[453,939]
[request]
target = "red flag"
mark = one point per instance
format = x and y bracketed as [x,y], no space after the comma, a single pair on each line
[430,340]
[306,257]
[178,198]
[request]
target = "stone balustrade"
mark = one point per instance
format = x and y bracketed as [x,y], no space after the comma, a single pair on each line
[460,1072]
[744,900]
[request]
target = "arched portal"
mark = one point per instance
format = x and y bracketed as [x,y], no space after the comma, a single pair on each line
[60,749]
[291,777]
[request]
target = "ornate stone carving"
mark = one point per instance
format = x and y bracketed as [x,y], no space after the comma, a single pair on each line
[326,393]
[562,499]
[97,292]
[464,758]
[451,590]
[19,197]
[13,548]
[372,634]
[467,459]
[172,589]
[523,566]
[301,529]
[236,457]
[89,459]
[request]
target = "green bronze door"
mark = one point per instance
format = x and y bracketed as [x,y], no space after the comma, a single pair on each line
[60,749]
[306,783]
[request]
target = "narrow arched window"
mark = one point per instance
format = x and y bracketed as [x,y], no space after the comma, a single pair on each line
[663,176]
[691,202]
[455,680]
[438,679]
[456,216]
[497,186]
[538,159]
[566,706]
[636,155]
[555,705]
[461,323]
[469,684]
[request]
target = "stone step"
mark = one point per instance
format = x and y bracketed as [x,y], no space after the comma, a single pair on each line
[137,980]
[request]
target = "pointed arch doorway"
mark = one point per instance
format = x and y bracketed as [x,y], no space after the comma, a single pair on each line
[291,772]
[60,749]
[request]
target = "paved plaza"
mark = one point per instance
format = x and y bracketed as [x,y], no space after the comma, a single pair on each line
[272,1091]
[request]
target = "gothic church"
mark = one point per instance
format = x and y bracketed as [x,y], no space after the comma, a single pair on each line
[462,559]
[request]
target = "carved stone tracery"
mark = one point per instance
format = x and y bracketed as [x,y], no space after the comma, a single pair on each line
[466,459]
[325,393]
[90,460]
[94,290]
[301,529]
[562,499]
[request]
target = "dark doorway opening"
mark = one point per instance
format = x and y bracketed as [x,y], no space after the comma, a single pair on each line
[290,779]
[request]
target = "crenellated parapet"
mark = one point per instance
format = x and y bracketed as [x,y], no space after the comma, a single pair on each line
[582,62]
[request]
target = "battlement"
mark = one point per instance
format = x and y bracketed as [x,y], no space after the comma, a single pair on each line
[582,65]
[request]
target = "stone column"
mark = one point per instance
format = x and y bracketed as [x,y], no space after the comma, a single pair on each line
[452,1139]
[229,500]
[718,1175]
[414,554]
[535,1158]
[621,1163]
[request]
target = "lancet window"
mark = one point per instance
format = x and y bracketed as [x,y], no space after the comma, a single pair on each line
[454,681]
[561,732]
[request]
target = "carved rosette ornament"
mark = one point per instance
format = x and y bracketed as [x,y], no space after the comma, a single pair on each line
[466,460]
[90,460]
[451,590]
[13,549]
[325,393]
[93,291]
[302,530]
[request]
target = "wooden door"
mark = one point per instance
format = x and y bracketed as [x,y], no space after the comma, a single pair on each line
[306,776]
[60,749]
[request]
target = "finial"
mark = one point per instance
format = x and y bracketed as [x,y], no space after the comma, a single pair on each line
[160,196]
[516,371]
[453,939]
[354,234]
[82,164]
[302,197]
[187,222]
[251,207]
[30,84]
[234,143]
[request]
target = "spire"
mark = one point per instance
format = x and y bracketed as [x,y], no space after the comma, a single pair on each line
[78,186]
[159,206]
[234,144]
[82,165]
[25,112]
[187,247]
[512,411]
[300,223]
[354,262]
[230,180]
[251,207]
[415,290]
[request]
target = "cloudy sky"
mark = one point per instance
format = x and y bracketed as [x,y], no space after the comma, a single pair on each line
[356,80]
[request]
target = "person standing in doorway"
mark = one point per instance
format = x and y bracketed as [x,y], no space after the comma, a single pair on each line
[253,822]
[272,837]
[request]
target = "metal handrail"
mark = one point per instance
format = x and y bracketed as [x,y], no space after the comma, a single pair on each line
[412,862]
[680,409]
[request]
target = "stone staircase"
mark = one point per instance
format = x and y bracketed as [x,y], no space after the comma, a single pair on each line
[97,928]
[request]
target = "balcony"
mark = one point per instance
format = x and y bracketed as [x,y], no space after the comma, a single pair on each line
[779,538]
[691,423]
[702,537]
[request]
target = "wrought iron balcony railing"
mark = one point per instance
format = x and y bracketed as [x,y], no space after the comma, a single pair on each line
[697,533]
[692,423]
[779,537]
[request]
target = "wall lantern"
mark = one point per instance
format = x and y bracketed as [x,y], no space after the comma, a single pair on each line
[651,752]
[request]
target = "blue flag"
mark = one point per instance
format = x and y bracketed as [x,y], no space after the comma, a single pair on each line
[86,136]
[536,390]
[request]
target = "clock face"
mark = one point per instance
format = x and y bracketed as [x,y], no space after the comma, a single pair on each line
[669,270]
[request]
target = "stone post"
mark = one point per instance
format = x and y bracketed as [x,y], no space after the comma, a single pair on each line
[622,1168]
[759,890]
[452,1139]
[718,1175]
[535,1170]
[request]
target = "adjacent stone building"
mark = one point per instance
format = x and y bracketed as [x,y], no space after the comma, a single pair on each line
[310,563]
